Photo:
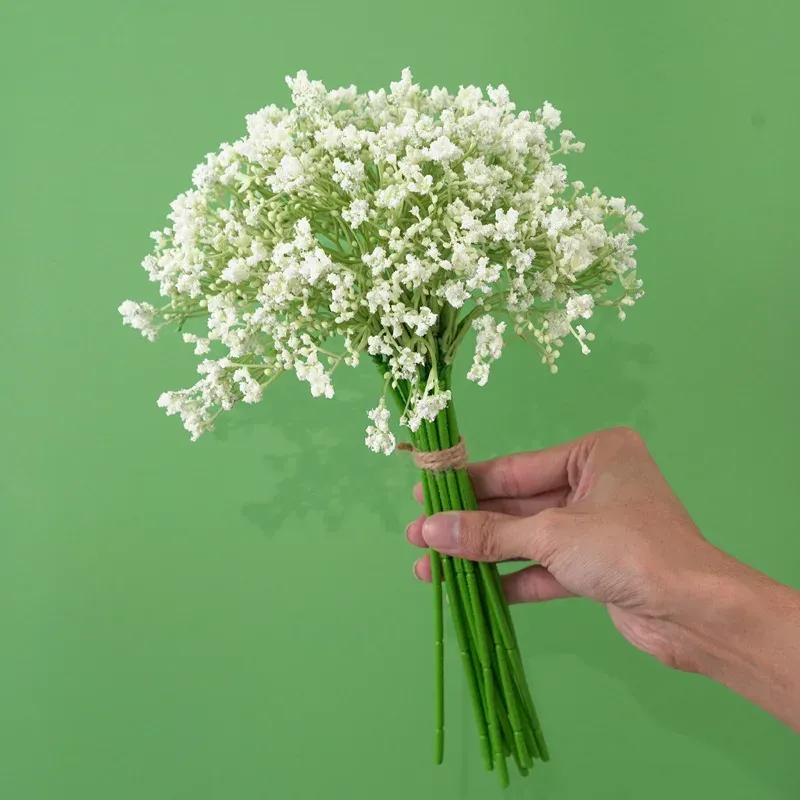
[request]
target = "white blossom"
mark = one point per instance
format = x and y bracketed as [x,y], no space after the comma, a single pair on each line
[356,214]
[488,347]
[287,176]
[556,221]
[455,293]
[377,261]
[195,415]
[421,321]
[443,150]
[568,144]
[427,408]
[405,365]
[383,224]
[258,254]
[633,220]
[141,317]
[379,438]
[314,265]
[251,389]
[580,306]
[306,94]
[549,116]
[201,344]
[500,97]
[238,270]
[583,336]
[189,283]
[348,174]
[506,224]
[391,197]
[312,371]
[379,346]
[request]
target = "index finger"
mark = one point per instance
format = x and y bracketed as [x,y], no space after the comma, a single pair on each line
[523,474]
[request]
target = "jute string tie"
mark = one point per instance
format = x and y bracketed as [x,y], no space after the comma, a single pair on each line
[454,457]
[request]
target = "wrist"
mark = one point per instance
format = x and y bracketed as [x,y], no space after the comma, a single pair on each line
[743,630]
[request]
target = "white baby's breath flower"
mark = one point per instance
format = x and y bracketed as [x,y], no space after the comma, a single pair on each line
[488,347]
[376,261]
[379,346]
[557,323]
[617,205]
[580,306]
[141,317]
[383,225]
[443,150]
[500,97]
[306,94]
[391,197]
[287,176]
[583,336]
[259,253]
[427,408]
[314,373]
[633,220]
[251,390]
[238,270]
[356,214]
[549,116]
[189,283]
[506,224]
[455,293]
[348,174]
[201,345]
[405,364]
[568,144]
[556,221]
[379,438]
[420,321]
[314,265]
[195,415]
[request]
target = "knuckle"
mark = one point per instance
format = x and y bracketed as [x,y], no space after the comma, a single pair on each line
[548,520]
[482,536]
[508,479]
[545,539]
[625,435]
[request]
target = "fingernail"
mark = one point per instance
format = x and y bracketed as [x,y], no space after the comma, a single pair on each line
[408,530]
[441,531]
[415,568]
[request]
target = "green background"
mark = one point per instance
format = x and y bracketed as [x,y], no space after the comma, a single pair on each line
[237,618]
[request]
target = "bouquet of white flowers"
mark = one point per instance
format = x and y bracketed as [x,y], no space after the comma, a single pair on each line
[390,224]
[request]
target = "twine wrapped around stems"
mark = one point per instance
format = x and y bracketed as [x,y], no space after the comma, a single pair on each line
[454,457]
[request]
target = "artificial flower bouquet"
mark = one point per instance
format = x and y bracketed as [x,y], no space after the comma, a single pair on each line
[386,227]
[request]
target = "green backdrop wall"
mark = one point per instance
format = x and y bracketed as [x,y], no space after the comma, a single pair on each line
[237,618]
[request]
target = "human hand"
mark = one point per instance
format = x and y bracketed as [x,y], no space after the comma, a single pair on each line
[602,522]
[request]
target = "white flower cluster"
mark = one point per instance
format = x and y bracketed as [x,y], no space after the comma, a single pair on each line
[387,224]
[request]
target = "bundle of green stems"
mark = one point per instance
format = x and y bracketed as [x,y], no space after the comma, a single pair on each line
[505,716]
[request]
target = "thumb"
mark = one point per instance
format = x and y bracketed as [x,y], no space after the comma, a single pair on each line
[488,536]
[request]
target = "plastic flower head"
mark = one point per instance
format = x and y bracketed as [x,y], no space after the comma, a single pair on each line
[385,224]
